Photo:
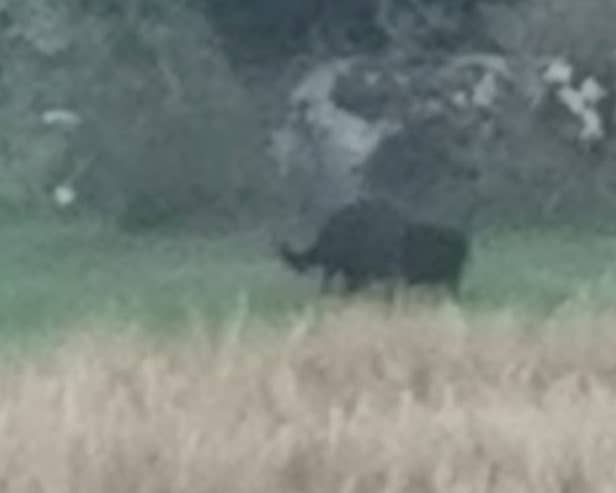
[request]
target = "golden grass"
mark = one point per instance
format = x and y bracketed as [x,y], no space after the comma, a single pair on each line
[415,400]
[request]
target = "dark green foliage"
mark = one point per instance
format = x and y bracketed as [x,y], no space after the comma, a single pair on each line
[148,209]
[267,30]
[418,168]
[449,25]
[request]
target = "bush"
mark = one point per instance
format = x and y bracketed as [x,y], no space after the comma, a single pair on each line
[273,30]
[162,114]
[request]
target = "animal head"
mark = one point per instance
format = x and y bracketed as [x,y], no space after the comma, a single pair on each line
[298,261]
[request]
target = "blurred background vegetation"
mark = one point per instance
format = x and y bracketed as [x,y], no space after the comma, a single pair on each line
[138,116]
[147,111]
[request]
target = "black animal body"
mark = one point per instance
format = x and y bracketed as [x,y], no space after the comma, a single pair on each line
[434,254]
[370,240]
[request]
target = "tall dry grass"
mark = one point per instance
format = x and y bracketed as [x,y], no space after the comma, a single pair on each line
[414,400]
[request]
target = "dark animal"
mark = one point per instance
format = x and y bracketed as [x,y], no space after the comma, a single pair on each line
[370,240]
[433,254]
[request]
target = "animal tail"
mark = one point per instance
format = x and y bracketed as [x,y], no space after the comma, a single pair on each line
[299,261]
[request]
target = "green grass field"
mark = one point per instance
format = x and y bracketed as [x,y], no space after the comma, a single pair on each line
[62,275]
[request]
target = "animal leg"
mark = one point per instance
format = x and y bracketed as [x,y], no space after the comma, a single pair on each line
[353,283]
[453,284]
[391,286]
[326,281]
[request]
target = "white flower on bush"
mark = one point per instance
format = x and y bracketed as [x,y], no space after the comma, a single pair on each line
[591,91]
[60,116]
[572,100]
[485,91]
[592,129]
[559,71]
[64,195]
[582,103]
[460,99]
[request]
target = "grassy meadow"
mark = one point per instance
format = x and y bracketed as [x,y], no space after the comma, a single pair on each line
[513,389]
[55,276]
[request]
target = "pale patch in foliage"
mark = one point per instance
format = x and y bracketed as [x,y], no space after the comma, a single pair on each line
[64,195]
[61,117]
